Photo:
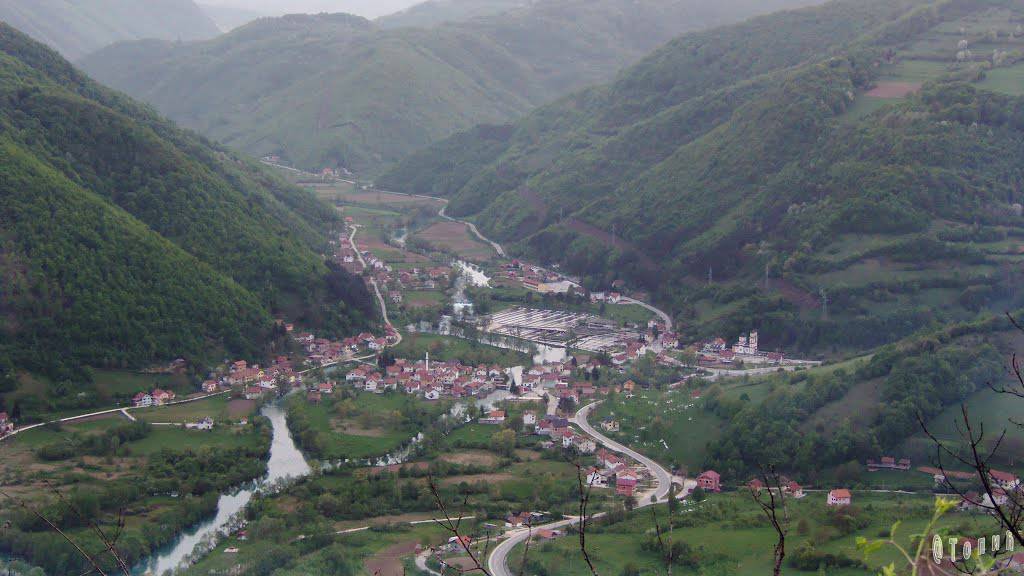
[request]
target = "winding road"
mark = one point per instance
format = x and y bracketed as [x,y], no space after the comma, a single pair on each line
[665,318]
[376,288]
[497,563]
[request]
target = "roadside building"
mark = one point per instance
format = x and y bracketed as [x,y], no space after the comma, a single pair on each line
[839,497]
[710,481]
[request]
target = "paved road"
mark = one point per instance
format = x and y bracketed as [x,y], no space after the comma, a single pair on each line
[376,288]
[123,410]
[660,313]
[497,564]
[472,227]
[662,477]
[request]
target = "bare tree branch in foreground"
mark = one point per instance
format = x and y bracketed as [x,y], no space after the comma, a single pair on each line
[774,508]
[453,526]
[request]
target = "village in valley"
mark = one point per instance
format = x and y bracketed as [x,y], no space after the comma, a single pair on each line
[489,372]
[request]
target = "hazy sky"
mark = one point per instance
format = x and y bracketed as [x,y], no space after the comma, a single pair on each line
[366,8]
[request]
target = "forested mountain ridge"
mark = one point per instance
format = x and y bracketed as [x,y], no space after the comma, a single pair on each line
[128,241]
[742,175]
[76,28]
[434,12]
[334,90]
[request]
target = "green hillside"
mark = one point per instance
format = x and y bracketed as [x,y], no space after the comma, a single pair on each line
[126,241]
[336,90]
[78,27]
[800,181]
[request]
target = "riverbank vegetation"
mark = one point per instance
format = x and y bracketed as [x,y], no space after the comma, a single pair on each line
[348,424]
[158,479]
[483,472]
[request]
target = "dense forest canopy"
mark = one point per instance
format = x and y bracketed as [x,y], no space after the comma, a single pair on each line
[126,241]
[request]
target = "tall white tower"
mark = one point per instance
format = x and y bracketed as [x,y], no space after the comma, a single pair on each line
[428,361]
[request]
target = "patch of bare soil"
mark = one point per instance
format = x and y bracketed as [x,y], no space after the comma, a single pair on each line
[388,562]
[472,457]
[893,89]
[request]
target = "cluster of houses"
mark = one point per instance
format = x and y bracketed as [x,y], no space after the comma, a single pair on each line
[392,282]
[430,380]
[888,463]
[746,349]
[536,278]
[6,424]
[157,397]
[711,481]
[612,470]
[1006,489]
[257,381]
[323,351]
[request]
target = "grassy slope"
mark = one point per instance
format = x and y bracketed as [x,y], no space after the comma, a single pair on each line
[742,543]
[803,191]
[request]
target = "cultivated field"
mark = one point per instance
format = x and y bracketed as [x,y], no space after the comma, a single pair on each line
[456,237]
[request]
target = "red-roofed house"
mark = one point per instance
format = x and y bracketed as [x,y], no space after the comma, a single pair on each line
[1005,480]
[161,397]
[794,489]
[6,425]
[493,417]
[142,400]
[624,486]
[839,497]
[710,481]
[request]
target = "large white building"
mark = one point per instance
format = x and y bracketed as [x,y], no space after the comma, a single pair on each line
[746,344]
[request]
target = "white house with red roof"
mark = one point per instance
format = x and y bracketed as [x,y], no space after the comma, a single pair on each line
[142,400]
[1005,480]
[839,497]
[794,490]
[493,417]
[161,397]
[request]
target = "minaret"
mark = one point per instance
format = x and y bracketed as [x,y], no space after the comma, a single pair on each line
[428,361]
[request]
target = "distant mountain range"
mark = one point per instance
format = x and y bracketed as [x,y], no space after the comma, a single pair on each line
[434,12]
[839,176]
[125,241]
[78,27]
[336,90]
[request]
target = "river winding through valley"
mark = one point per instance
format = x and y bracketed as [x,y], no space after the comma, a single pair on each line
[286,461]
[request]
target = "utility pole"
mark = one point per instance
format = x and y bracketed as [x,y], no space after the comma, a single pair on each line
[824,304]
[766,276]
[711,276]
[613,234]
